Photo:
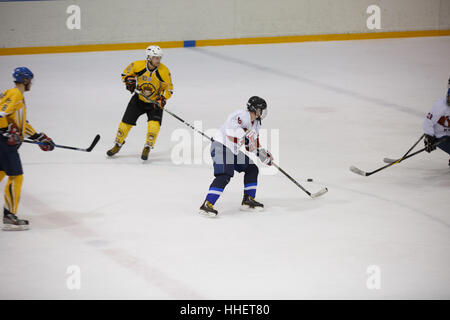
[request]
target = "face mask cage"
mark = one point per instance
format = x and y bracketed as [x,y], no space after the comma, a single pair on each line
[263,114]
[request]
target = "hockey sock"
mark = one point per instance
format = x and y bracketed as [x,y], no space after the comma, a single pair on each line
[251,180]
[12,193]
[152,132]
[216,188]
[122,133]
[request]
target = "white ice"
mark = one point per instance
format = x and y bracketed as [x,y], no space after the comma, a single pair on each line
[133,227]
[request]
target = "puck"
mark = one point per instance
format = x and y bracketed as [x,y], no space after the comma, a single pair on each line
[310,180]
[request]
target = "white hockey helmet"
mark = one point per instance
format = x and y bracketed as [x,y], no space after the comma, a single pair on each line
[153,51]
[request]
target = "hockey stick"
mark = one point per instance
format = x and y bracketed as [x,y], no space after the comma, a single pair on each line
[366,174]
[89,149]
[388,160]
[312,195]
[190,126]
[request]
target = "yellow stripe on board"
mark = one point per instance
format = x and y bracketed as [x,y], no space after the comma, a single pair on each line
[325,37]
[88,47]
[222,42]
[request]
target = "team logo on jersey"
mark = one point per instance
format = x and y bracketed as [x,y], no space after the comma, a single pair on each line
[147,89]
[444,121]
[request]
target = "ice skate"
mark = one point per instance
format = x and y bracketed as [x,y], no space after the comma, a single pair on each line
[250,204]
[114,150]
[145,152]
[12,223]
[208,210]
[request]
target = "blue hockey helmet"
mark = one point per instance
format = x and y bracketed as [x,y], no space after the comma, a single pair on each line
[22,73]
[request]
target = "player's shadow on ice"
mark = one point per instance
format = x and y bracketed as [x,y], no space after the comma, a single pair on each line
[275,206]
[162,156]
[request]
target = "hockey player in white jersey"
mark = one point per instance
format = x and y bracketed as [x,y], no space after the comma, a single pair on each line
[241,128]
[437,125]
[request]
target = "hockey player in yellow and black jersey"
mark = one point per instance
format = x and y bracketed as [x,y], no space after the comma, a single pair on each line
[151,83]
[13,128]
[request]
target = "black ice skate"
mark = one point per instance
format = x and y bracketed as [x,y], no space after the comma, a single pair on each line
[250,204]
[12,223]
[207,209]
[145,152]
[114,149]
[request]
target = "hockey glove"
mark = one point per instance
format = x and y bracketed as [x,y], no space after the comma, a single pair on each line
[265,156]
[130,83]
[12,134]
[161,101]
[42,137]
[429,143]
[251,141]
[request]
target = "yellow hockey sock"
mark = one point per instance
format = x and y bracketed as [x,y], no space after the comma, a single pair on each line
[152,132]
[12,193]
[122,133]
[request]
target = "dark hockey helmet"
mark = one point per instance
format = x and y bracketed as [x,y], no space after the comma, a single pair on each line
[255,103]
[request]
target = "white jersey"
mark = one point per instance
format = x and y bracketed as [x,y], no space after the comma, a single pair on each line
[233,132]
[437,121]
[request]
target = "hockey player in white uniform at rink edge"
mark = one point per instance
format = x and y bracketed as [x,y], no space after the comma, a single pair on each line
[437,125]
[241,127]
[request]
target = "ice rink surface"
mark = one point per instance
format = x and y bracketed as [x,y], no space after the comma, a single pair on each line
[133,227]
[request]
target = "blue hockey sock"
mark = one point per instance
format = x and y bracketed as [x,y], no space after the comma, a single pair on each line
[216,188]
[250,189]
[251,180]
[213,195]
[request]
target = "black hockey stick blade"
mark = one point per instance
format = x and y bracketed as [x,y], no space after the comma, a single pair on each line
[358,171]
[94,142]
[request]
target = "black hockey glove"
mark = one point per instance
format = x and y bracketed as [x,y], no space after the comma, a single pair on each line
[161,101]
[13,136]
[429,143]
[42,137]
[130,83]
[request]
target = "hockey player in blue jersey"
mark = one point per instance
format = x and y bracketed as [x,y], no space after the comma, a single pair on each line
[241,128]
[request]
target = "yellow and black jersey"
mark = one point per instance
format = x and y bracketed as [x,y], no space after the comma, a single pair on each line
[13,110]
[150,84]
